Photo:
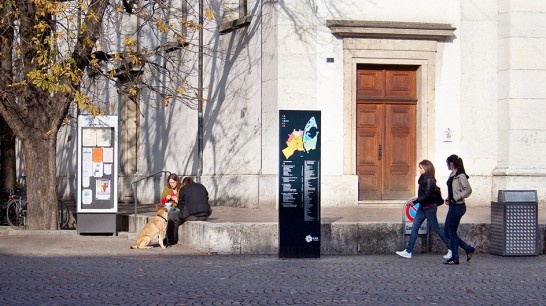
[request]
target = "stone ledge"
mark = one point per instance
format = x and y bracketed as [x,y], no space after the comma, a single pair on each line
[337,238]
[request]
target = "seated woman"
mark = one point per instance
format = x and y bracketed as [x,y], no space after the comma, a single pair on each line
[169,196]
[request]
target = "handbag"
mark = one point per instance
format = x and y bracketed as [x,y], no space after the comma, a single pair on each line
[438,199]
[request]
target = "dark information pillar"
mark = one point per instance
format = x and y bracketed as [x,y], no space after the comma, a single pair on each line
[299,184]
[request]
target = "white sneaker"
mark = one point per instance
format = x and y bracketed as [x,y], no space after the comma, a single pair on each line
[448,255]
[404,254]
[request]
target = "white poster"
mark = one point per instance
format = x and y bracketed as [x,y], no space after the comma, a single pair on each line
[107,169]
[87,164]
[104,137]
[108,155]
[87,196]
[89,137]
[85,181]
[97,170]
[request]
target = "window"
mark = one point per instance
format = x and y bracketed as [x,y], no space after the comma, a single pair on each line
[235,16]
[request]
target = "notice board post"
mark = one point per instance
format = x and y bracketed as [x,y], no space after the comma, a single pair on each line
[299,184]
[97,203]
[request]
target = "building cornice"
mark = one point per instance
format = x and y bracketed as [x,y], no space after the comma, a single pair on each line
[390,29]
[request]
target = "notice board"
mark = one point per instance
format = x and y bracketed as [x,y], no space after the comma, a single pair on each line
[299,184]
[97,164]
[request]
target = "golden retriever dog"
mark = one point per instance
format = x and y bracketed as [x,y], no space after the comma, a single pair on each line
[155,228]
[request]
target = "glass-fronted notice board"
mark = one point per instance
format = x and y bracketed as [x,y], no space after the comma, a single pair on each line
[97,164]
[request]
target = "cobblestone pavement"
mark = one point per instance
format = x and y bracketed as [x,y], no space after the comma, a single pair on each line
[83,270]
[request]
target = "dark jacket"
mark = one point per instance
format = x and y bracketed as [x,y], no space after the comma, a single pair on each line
[195,198]
[425,193]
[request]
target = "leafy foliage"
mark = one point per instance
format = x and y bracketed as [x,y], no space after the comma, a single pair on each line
[53,52]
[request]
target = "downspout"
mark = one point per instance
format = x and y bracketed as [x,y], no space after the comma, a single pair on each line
[200,97]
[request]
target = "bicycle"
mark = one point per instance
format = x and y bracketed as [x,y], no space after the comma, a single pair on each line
[64,214]
[16,210]
[3,210]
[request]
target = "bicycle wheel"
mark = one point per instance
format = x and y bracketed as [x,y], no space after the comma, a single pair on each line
[64,215]
[15,213]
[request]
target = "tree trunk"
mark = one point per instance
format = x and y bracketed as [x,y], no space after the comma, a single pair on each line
[8,163]
[40,162]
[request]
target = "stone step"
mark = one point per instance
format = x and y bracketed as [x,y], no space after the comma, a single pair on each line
[344,232]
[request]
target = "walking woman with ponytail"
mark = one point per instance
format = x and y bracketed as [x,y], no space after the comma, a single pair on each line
[458,190]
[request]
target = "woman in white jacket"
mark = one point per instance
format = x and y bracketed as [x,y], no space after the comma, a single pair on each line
[458,190]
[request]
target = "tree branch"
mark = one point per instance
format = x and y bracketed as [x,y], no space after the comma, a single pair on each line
[90,33]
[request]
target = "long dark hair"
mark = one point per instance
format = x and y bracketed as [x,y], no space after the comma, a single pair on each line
[429,168]
[457,162]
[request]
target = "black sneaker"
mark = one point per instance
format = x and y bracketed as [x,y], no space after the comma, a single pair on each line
[469,254]
[451,261]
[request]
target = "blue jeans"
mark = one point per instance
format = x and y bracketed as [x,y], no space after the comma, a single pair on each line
[453,219]
[420,216]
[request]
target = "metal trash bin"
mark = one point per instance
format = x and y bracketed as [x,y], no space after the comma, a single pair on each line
[514,222]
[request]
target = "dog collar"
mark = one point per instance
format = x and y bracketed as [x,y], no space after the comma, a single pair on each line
[162,218]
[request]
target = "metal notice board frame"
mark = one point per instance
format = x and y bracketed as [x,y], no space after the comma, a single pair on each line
[97,203]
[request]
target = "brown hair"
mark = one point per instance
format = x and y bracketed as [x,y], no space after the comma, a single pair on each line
[186,181]
[429,168]
[174,177]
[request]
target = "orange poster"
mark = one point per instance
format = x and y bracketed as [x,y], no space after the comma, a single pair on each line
[97,155]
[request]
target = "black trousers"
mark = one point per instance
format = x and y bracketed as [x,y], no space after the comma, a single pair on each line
[174,223]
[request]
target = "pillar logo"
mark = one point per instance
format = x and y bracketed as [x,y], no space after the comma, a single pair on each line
[308,238]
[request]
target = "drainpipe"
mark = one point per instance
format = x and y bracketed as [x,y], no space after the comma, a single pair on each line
[200,98]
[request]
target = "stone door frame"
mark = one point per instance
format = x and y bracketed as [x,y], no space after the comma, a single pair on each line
[391,43]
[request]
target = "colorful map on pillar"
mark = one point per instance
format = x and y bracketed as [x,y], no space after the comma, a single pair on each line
[302,140]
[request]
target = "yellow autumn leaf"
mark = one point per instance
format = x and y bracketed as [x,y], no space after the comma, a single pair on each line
[209,14]
[129,42]
[165,101]
[132,91]
[161,25]
[135,60]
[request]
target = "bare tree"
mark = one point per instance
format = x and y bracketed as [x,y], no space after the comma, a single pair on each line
[54,50]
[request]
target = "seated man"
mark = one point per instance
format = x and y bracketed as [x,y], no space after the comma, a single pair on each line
[193,201]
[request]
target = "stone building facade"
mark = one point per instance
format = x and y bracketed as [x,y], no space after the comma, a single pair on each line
[396,82]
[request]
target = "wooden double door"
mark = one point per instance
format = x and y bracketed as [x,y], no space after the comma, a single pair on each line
[386,127]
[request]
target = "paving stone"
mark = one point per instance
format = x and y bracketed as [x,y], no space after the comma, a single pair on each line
[98,270]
